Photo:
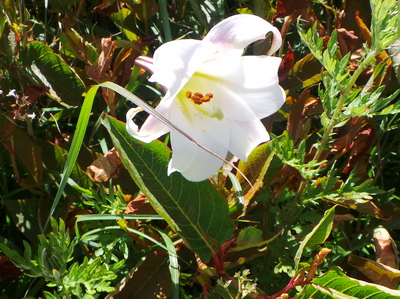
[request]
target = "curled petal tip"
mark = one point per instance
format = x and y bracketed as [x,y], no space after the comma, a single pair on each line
[276,41]
[151,129]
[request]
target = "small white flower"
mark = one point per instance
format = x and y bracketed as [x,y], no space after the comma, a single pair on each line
[32,115]
[13,93]
[214,94]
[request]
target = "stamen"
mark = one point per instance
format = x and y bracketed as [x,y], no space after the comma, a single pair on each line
[198,98]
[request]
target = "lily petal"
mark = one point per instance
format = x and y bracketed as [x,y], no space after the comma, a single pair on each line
[235,33]
[194,163]
[245,137]
[260,84]
[152,127]
[243,83]
[175,62]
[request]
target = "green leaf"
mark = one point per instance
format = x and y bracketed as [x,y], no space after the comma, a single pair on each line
[74,43]
[76,144]
[385,23]
[125,20]
[173,263]
[318,235]
[26,152]
[51,70]
[194,210]
[48,295]
[251,237]
[94,276]
[342,286]
[259,163]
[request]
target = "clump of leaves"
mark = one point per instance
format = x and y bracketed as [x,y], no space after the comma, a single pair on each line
[55,250]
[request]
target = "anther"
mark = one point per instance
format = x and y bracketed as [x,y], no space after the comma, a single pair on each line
[198,98]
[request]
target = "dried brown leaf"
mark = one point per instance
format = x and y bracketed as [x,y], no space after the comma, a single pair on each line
[287,7]
[385,248]
[33,92]
[139,205]
[100,72]
[376,272]
[361,146]
[347,41]
[151,280]
[364,29]
[296,118]
[286,65]
[7,268]
[106,167]
[108,7]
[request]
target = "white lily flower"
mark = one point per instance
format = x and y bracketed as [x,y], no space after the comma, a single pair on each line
[214,94]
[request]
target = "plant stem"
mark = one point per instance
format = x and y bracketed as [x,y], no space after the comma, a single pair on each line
[343,95]
[333,121]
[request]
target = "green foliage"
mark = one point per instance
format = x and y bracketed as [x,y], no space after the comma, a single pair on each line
[54,252]
[335,284]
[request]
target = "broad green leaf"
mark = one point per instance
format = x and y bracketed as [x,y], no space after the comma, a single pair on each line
[318,235]
[74,43]
[25,152]
[194,210]
[251,237]
[259,164]
[48,295]
[342,286]
[126,21]
[51,70]
[64,7]
[306,72]
[248,236]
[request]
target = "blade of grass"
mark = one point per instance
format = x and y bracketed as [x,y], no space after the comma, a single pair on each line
[173,263]
[165,20]
[76,144]
[131,230]
[116,217]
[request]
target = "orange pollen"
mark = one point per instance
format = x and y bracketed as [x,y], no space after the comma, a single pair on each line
[198,98]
